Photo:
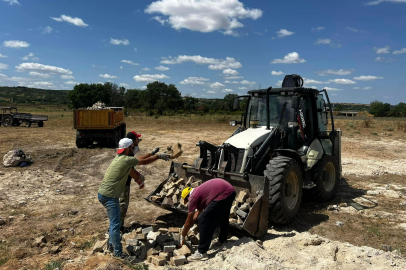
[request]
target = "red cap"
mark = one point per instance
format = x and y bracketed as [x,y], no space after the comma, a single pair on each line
[135,134]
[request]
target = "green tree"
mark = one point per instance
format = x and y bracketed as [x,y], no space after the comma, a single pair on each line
[398,110]
[189,103]
[229,99]
[84,95]
[338,107]
[379,109]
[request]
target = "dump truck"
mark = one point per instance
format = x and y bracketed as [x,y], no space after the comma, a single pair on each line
[284,148]
[9,116]
[104,126]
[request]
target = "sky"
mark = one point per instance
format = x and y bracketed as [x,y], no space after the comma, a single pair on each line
[356,50]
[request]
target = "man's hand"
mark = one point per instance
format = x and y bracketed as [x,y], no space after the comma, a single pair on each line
[164,156]
[154,151]
[182,240]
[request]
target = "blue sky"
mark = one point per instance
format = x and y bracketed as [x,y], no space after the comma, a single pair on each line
[207,48]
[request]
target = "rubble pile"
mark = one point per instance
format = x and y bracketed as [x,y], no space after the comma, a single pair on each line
[160,246]
[170,196]
[98,106]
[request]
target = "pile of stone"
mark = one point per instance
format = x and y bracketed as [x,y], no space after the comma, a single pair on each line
[98,106]
[170,195]
[160,246]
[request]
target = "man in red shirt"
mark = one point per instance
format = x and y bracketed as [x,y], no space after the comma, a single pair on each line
[215,197]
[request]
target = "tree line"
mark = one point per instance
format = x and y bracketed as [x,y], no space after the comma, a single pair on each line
[157,99]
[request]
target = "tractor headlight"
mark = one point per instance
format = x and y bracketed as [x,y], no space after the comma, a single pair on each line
[233,123]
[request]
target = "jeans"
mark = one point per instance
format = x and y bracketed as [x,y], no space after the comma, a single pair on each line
[215,214]
[112,206]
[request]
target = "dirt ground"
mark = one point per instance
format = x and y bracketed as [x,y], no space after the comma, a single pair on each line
[57,197]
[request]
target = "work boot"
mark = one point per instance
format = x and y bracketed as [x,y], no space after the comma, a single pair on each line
[197,256]
[110,247]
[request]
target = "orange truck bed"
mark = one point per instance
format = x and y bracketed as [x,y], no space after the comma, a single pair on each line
[98,119]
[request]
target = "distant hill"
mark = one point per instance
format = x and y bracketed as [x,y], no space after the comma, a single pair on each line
[25,95]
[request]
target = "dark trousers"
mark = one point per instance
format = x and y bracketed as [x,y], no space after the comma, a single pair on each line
[216,214]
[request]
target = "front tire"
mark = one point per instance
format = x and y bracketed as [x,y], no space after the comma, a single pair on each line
[285,189]
[27,124]
[326,176]
[40,124]
[81,143]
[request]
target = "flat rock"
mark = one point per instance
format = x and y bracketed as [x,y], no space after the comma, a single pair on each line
[98,247]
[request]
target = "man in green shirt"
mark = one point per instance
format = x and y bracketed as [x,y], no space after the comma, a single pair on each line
[113,185]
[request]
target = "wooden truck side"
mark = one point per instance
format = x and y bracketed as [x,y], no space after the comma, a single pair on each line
[102,126]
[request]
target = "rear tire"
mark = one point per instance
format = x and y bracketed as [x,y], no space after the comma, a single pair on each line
[81,143]
[285,189]
[27,124]
[7,120]
[40,124]
[326,176]
[123,131]
[115,139]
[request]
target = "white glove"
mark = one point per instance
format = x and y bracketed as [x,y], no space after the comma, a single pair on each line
[164,156]
[154,151]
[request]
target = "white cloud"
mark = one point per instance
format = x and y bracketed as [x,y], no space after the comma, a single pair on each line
[39,74]
[12,2]
[323,41]
[30,57]
[317,29]
[16,44]
[149,77]
[135,49]
[194,81]
[383,59]
[43,84]
[143,87]
[119,41]
[162,68]
[243,88]
[230,71]
[290,58]
[129,62]
[233,77]
[42,68]
[284,33]
[400,51]
[145,69]
[121,67]
[377,2]
[124,85]
[355,30]
[227,90]
[3,66]
[342,81]
[385,49]
[189,58]
[67,77]
[71,82]
[367,78]
[159,19]
[211,92]
[75,21]
[277,73]
[215,64]
[356,88]
[107,76]
[247,82]
[216,85]
[332,89]
[367,88]
[311,81]
[47,30]
[231,82]
[204,16]
[3,56]
[313,87]
[335,72]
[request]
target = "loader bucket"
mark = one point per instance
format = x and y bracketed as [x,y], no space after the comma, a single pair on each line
[256,222]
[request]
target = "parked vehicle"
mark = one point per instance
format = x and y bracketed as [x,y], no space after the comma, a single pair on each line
[283,148]
[11,117]
[102,126]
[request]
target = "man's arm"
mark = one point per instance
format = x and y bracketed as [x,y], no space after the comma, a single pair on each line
[134,175]
[148,160]
[190,220]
